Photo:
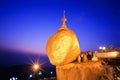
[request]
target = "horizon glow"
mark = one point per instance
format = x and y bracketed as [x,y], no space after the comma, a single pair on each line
[26,26]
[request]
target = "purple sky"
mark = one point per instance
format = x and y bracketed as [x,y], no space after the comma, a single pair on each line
[26,25]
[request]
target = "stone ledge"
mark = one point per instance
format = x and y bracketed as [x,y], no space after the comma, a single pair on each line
[81,71]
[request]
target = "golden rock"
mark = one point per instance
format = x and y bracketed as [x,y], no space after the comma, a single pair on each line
[63,47]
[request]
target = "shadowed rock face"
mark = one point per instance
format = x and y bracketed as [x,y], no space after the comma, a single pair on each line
[63,47]
[82,71]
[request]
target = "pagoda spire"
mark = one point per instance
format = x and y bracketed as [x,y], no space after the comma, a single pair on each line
[63,26]
[64,13]
[64,18]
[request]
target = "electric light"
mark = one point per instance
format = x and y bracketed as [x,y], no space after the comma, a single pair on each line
[30,75]
[36,66]
[51,72]
[103,48]
[100,47]
[40,73]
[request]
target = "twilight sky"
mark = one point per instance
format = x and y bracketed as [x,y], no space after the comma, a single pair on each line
[26,25]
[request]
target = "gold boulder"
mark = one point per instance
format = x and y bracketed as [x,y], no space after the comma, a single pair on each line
[62,47]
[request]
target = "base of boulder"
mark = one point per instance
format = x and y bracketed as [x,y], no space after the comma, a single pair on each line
[82,71]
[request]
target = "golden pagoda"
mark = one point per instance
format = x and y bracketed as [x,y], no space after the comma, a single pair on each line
[62,47]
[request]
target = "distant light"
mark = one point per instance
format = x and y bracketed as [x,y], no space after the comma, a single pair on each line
[13,78]
[104,48]
[30,75]
[36,67]
[51,72]
[40,73]
[100,47]
[16,78]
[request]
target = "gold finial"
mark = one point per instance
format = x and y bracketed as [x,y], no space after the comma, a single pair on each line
[63,26]
[64,13]
[64,18]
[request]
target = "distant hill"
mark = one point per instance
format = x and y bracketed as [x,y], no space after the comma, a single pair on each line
[17,63]
[10,58]
[23,71]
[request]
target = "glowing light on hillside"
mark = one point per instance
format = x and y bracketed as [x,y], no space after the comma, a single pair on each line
[30,75]
[102,48]
[36,66]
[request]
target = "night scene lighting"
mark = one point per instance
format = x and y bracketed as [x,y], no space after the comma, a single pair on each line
[60,40]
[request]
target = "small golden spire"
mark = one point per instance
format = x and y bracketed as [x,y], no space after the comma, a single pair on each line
[63,26]
[64,18]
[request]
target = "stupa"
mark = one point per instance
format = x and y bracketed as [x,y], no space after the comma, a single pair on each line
[63,50]
[63,47]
